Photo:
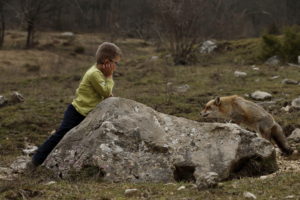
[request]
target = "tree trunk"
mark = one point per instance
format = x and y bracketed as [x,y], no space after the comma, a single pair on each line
[2,26]
[30,34]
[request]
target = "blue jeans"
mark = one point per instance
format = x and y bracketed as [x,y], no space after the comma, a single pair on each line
[71,119]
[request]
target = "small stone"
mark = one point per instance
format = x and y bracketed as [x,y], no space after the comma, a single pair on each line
[290,197]
[295,136]
[240,74]
[182,88]
[263,177]
[260,95]
[68,34]
[296,103]
[273,61]
[20,164]
[208,46]
[289,82]
[173,184]
[131,192]
[255,68]
[249,195]
[181,188]
[207,180]
[286,108]
[50,183]
[274,77]
[16,97]
[154,58]
[3,100]
[30,150]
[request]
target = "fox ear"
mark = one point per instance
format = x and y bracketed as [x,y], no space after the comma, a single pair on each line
[217,101]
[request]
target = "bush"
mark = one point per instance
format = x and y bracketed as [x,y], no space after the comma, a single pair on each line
[79,50]
[32,68]
[271,46]
[291,44]
[287,48]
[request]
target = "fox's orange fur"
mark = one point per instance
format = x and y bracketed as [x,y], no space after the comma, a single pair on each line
[253,116]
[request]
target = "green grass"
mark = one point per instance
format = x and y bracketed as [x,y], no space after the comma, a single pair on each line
[278,187]
[48,91]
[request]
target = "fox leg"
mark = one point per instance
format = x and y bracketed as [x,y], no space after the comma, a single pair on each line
[280,139]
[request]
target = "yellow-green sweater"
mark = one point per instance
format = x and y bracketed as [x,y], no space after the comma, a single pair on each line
[93,88]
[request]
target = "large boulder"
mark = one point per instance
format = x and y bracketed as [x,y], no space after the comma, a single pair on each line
[122,140]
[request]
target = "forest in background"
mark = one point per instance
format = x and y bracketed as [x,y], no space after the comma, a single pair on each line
[148,19]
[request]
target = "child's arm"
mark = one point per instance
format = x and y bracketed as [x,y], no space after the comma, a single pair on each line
[102,85]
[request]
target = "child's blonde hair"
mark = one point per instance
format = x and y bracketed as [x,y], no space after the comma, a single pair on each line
[107,50]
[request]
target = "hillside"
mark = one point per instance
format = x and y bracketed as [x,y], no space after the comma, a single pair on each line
[48,75]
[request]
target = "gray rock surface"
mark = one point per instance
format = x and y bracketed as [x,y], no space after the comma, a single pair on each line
[296,103]
[290,81]
[208,46]
[260,95]
[295,136]
[122,140]
[273,61]
[19,165]
[3,100]
[240,74]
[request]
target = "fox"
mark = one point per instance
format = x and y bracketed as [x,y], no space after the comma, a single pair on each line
[244,112]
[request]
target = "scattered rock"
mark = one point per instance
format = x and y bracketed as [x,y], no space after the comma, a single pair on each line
[130,192]
[3,101]
[208,46]
[154,58]
[295,136]
[240,74]
[296,103]
[273,61]
[181,188]
[207,180]
[293,65]
[16,97]
[67,34]
[30,150]
[173,184]
[50,183]
[286,108]
[260,95]
[182,88]
[19,165]
[157,147]
[6,174]
[290,197]
[249,195]
[255,68]
[274,77]
[263,177]
[289,82]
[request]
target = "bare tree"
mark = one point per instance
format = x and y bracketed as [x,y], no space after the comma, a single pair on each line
[2,23]
[31,12]
[180,25]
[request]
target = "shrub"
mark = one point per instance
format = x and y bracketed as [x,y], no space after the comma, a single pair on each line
[271,46]
[79,50]
[287,47]
[291,44]
[32,68]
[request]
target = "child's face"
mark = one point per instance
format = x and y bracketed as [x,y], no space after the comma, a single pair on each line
[114,61]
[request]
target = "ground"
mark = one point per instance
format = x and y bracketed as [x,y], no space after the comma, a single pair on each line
[49,74]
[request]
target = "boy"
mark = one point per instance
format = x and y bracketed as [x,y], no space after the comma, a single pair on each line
[96,85]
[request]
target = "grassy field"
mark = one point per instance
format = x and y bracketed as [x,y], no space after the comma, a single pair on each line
[49,74]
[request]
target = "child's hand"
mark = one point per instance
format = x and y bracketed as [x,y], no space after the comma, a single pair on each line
[108,69]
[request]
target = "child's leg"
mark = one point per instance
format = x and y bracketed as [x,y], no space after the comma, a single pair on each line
[71,119]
